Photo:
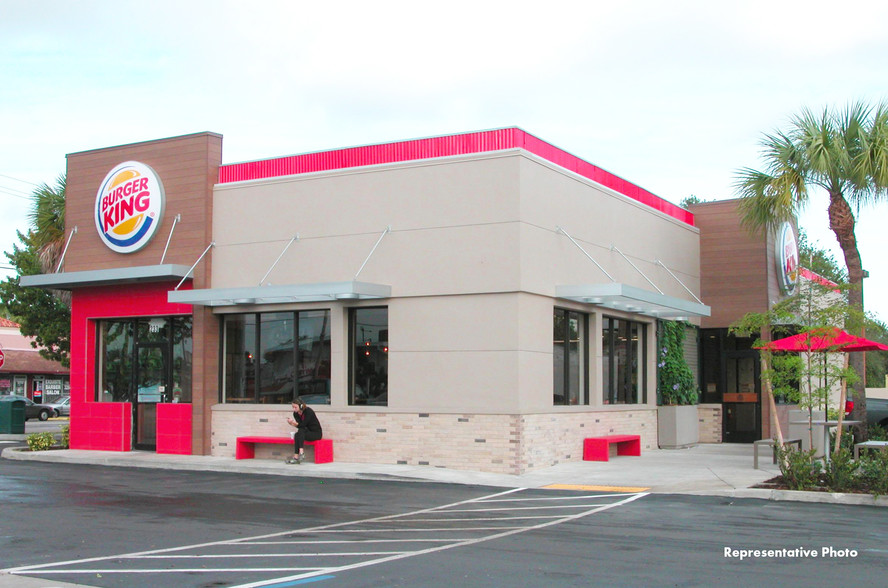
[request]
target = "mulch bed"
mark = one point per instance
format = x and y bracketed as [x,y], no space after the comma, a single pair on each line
[777,483]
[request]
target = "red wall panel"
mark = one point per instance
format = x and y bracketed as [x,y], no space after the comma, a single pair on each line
[107,425]
[174,429]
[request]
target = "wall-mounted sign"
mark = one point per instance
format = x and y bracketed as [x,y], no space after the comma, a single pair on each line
[2,358]
[787,256]
[129,206]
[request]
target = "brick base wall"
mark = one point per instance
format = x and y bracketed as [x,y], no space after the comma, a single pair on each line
[710,416]
[509,444]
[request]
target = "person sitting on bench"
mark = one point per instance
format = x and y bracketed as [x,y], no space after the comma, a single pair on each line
[308,428]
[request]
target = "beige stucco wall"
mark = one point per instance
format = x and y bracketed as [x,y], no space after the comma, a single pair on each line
[473,259]
[454,227]
[598,218]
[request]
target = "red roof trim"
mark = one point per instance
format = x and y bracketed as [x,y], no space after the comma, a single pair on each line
[812,276]
[447,146]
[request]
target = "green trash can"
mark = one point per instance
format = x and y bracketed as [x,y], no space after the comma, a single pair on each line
[12,416]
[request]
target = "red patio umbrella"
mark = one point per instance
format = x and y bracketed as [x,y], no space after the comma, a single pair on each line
[828,340]
[832,339]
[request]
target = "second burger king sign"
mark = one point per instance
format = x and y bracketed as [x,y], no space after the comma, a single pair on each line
[129,206]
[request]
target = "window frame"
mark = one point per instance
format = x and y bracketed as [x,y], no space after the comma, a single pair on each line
[352,354]
[256,325]
[583,398]
[167,343]
[610,395]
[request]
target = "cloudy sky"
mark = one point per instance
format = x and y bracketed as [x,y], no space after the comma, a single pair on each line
[673,96]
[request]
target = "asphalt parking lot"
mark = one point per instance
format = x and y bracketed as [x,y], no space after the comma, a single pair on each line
[136,527]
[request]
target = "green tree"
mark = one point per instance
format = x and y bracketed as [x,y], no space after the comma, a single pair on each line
[47,218]
[42,314]
[820,261]
[844,153]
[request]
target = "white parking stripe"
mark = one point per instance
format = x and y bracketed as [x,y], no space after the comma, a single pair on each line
[353,541]
[442,547]
[376,528]
[549,498]
[321,529]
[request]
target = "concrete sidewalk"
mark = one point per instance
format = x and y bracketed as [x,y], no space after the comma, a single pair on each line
[708,469]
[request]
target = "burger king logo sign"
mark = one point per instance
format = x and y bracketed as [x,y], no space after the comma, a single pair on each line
[787,257]
[129,206]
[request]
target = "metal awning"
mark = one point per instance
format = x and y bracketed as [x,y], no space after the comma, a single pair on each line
[318,292]
[626,298]
[107,277]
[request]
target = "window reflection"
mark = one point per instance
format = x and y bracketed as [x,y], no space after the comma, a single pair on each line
[569,335]
[624,373]
[119,371]
[270,358]
[369,356]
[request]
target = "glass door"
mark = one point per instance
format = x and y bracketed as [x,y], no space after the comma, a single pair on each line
[742,397]
[151,388]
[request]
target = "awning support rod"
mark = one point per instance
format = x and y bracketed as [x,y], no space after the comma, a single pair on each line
[176,220]
[563,232]
[295,238]
[65,250]
[663,265]
[614,248]
[387,230]
[188,273]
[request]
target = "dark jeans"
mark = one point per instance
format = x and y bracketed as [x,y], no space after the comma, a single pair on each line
[302,436]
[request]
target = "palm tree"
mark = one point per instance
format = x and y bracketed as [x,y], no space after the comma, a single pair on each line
[47,218]
[844,153]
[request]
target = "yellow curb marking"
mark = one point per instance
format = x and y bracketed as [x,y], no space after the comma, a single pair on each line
[595,488]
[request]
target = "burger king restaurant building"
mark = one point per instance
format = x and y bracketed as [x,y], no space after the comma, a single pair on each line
[478,301]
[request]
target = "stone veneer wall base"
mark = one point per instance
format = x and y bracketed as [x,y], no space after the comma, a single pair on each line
[507,444]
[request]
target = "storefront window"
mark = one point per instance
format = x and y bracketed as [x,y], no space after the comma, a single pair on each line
[240,358]
[313,369]
[270,358]
[124,347]
[277,352]
[117,341]
[183,351]
[569,356]
[624,363]
[368,384]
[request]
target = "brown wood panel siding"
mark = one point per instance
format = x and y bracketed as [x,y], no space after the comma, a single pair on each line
[188,166]
[734,265]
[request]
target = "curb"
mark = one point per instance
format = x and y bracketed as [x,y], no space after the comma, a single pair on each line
[21,453]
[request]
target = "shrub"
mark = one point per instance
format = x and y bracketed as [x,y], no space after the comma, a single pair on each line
[676,383]
[874,472]
[799,468]
[66,436]
[40,441]
[877,433]
[840,471]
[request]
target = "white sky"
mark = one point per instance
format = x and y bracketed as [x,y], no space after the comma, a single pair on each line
[673,96]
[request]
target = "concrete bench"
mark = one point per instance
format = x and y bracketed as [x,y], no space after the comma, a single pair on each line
[770,443]
[869,445]
[246,447]
[598,448]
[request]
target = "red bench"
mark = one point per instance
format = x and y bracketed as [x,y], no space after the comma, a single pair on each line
[246,447]
[598,448]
